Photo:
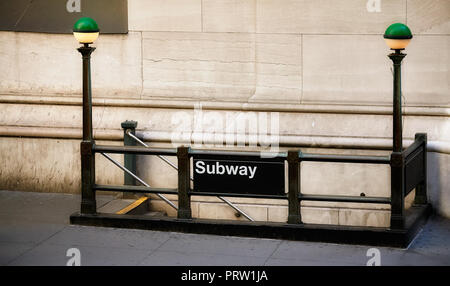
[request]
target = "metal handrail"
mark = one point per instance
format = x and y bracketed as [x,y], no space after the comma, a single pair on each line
[135,189]
[176,168]
[137,178]
[345,158]
[133,150]
[345,199]
[277,156]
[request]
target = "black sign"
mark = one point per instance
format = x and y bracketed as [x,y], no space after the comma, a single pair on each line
[238,175]
[58,16]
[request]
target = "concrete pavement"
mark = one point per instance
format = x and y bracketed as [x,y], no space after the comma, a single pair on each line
[35,230]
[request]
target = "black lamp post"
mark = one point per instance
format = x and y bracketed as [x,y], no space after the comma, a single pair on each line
[86,32]
[397,37]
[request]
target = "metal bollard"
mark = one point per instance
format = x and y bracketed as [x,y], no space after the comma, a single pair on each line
[184,197]
[294,216]
[129,159]
[421,189]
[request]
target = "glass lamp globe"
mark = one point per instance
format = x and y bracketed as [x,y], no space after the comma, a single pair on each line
[397,36]
[86,30]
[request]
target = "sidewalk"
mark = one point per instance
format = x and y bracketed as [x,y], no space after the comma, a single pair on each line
[35,230]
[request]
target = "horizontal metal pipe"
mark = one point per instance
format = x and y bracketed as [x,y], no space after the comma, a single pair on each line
[135,189]
[289,141]
[134,150]
[280,155]
[345,199]
[345,159]
[137,178]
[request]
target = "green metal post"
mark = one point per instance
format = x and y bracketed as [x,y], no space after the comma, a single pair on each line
[421,189]
[184,198]
[129,159]
[294,215]
[88,203]
[397,158]
[397,58]
[397,190]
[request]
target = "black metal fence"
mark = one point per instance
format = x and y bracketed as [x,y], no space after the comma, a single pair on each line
[408,172]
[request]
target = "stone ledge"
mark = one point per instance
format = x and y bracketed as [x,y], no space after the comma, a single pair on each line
[312,107]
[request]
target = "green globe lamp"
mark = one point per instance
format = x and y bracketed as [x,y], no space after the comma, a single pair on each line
[397,36]
[86,30]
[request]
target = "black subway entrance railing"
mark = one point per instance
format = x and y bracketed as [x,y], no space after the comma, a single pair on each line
[408,172]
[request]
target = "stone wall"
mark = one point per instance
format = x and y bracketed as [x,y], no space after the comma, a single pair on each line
[321,65]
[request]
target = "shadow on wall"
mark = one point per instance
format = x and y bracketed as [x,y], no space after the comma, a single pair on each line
[438,188]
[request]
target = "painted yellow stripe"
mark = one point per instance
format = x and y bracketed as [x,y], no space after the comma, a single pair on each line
[132,206]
